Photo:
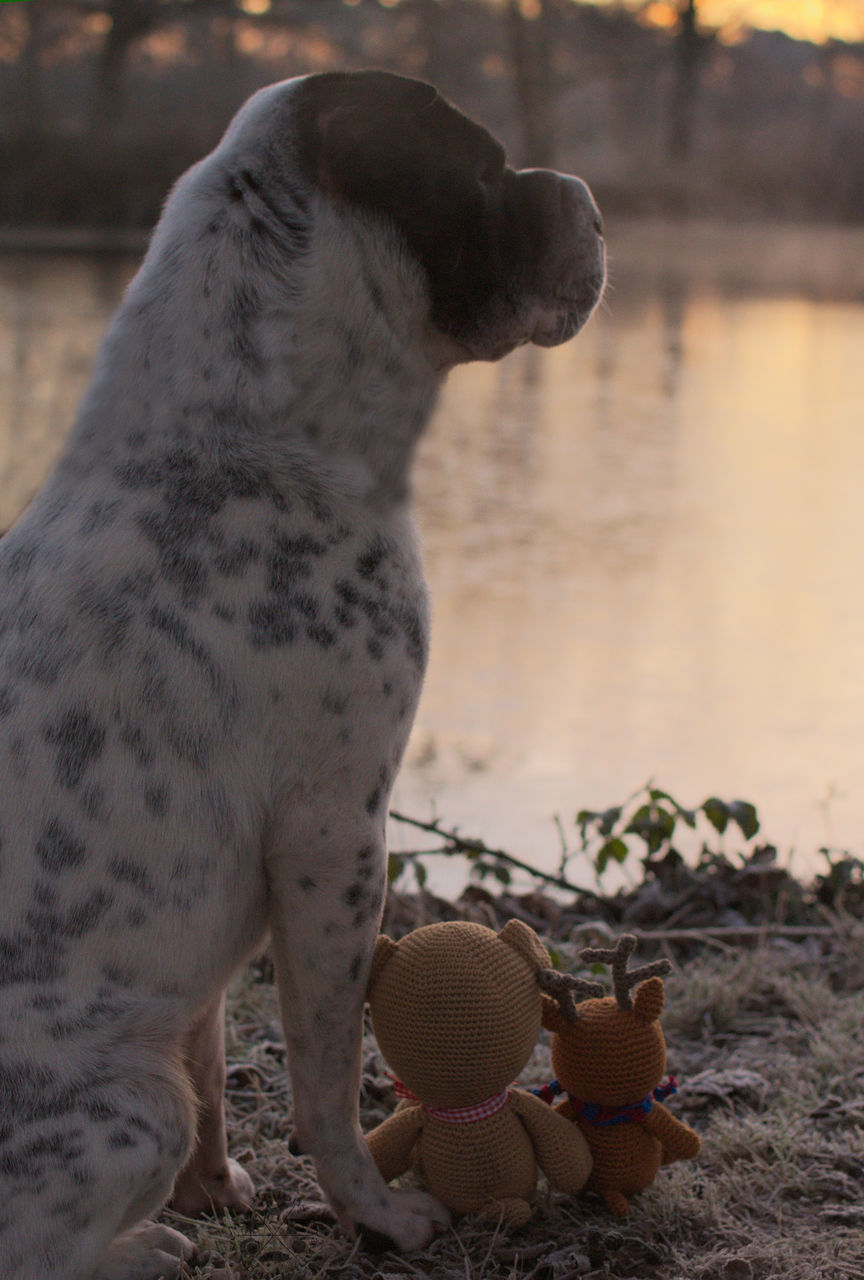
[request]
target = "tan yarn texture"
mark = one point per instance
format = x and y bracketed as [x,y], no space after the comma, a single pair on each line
[613,1057]
[456,1009]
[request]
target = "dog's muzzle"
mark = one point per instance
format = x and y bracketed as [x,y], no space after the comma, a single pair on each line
[570,256]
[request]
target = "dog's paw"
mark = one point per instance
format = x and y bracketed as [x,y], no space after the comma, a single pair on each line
[150,1252]
[196,1193]
[405,1221]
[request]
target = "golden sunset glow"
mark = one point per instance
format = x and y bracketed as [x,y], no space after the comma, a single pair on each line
[817,20]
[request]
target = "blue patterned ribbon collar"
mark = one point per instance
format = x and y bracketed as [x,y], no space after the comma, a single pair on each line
[601,1117]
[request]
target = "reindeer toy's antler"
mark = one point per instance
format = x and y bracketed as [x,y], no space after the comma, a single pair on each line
[564,989]
[624,979]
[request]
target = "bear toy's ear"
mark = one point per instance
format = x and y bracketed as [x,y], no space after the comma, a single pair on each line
[649,1000]
[384,949]
[523,939]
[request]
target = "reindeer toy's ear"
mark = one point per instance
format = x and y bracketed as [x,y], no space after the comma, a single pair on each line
[649,1000]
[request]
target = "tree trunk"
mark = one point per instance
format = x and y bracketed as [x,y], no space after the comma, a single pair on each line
[31,71]
[130,20]
[688,50]
[530,52]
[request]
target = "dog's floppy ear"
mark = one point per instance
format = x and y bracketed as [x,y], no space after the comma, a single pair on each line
[384,949]
[364,131]
[361,130]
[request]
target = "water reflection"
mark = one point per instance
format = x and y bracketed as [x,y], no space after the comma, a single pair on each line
[643,547]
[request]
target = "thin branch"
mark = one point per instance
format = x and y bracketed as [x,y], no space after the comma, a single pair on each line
[454,843]
[738,933]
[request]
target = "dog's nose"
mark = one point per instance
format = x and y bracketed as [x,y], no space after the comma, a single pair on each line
[565,192]
[566,228]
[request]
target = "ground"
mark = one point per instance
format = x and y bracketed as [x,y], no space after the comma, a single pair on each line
[765,1032]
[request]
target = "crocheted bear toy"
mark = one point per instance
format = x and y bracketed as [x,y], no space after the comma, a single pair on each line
[610,1059]
[456,1009]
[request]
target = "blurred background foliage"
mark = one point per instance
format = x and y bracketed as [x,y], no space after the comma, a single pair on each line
[666,106]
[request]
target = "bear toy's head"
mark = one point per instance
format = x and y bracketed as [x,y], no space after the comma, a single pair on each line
[456,1008]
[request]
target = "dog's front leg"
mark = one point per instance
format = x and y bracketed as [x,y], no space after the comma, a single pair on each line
[210,1180]
[325,912]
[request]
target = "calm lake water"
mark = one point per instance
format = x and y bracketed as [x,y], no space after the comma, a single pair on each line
[645,548]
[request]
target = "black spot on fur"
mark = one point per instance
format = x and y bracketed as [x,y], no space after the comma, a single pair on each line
[353,894]
[137,744]
[269,625]
[126,871]
[176,563]
[233,559]
[92,802]
[77,920]
[307,884]
[117,976]
[321,635]
[356,968]
[157,799]
[111,614]
[78,740]
[99,515]
[371,558]
[32,958]
[175,628]
[58,850]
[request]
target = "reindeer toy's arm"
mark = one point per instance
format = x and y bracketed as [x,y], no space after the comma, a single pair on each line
[678,1140]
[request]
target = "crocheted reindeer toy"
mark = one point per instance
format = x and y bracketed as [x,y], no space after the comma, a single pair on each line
[609,1056]
[456,1009]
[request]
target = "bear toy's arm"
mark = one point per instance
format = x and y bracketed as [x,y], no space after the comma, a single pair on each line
[392,1142]
[561,1151]
[678,1140]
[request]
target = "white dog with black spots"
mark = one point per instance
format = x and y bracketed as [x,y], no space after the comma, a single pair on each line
[213,633]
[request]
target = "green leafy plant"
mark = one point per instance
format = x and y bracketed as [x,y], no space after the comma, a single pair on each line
[649,822]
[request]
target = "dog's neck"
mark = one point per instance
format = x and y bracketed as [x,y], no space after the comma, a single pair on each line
[320,354]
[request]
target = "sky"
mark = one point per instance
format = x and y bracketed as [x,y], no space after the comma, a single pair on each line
[817,20]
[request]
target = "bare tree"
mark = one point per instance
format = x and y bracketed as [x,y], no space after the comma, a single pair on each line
[689,47]
[529,31]
[31,68]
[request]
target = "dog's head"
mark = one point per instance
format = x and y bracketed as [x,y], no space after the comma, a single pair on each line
[510,256]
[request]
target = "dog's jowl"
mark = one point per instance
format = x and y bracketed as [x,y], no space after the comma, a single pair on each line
[213,631]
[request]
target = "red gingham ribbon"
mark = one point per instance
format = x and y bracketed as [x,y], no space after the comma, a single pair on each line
[457,1115]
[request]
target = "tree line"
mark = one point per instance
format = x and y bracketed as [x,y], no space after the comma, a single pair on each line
[102,102]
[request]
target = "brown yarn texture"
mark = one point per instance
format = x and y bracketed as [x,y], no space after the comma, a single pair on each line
[613,1057]
[456,1009]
